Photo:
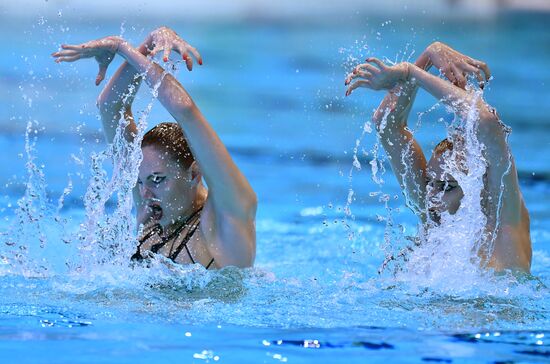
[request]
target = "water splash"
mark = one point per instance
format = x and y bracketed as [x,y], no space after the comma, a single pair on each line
[24,242]
[108,238]
[446,255]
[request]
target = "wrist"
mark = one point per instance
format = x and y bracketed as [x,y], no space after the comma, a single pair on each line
[413,73]
[114,43]
[424,61]
[122,46]
[406,72]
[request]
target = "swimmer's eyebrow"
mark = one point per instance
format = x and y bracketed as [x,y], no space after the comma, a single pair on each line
[446,183]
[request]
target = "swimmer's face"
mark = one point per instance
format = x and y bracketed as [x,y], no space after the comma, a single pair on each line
[443,192]
[166,191]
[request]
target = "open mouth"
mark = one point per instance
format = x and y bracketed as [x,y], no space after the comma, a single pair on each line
[156,210]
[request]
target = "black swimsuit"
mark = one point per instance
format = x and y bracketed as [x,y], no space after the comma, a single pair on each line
[192,223]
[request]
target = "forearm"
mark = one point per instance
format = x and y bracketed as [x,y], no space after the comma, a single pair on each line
[405,155]
[458,99]
[227,185]
[396,105]
[117,97]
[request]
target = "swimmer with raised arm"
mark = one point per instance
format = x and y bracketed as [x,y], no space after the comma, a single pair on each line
[184,220]
[429,189]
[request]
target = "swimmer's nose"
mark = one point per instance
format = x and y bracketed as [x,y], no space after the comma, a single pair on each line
[145,193]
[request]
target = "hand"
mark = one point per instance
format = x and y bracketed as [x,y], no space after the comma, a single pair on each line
[456,66]
[381,78]
[103,50]
[165,39]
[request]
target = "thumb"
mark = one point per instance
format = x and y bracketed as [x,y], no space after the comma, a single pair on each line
[101,74]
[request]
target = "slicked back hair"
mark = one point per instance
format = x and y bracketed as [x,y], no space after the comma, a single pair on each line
[169,139]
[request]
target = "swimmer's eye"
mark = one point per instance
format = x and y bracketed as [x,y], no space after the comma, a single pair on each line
[448,187]
[139,182]
[157,179]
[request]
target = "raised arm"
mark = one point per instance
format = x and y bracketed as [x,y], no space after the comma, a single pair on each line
[231,204]
[229,188]
[116,99]
[406,157]
[506,213]
[507,217]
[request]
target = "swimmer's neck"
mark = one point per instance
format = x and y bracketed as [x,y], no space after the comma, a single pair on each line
[198,202]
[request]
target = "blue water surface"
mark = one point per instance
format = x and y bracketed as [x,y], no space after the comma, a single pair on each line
[273,90]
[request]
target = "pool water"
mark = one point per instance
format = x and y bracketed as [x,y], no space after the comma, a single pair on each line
[273,90]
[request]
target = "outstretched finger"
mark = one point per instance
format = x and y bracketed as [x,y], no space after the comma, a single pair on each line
[67,59]
[365,66]
[166,54]
[196,54]
[65,53]
[73,47]
[101,74]
[354,74]
[483,66]
[356,84]
[188,61]
[378,62]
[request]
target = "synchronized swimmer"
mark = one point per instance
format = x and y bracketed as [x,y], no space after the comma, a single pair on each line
[184,220]
[427,185]
[215,226]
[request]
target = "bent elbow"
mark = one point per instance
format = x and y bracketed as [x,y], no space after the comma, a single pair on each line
[488,119]
[248,204]
[378,118]
[252,203]
[486,113]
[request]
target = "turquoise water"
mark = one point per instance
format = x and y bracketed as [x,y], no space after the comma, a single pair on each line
[274,92]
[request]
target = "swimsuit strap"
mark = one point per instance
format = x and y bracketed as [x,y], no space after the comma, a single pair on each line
[188,222]
[209,264]
[155,229]
[193,223]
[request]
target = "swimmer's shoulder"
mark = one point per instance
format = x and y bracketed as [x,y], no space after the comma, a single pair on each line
[512,247]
